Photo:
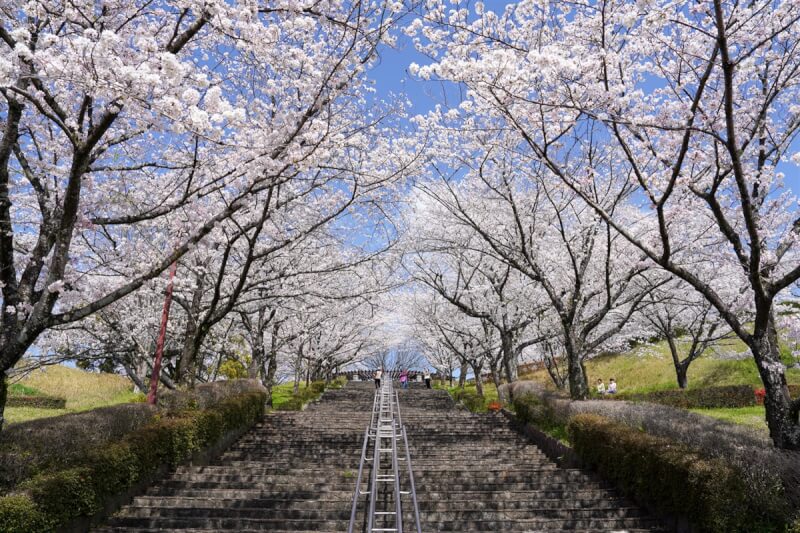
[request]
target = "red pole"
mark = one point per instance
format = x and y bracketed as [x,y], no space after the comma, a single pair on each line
[162,334]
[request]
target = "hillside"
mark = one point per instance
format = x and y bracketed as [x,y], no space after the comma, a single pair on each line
[648,368]
[82,390]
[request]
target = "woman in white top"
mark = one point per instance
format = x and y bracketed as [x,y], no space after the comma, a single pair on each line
[427,377]
[612,386]
[378,375]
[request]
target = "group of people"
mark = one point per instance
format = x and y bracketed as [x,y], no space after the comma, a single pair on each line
[601,387]
[404,378]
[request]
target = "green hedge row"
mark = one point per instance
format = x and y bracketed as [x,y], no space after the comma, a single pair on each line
[50,500]
[705,398]
[534,410]
[671,477]
[40,402]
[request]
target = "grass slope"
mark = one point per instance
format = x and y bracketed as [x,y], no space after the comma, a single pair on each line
[82,390]
[283,393]
[649,368]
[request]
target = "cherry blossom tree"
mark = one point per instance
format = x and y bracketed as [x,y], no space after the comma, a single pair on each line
[528,220]
[160,121]
[686,321]
[698,104]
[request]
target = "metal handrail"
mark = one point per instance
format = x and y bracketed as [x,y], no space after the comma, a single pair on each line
[411,481]
[386,402]
[361,466]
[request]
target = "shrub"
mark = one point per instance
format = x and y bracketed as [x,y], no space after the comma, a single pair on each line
[470,399]
[39,402]
[539,412]
[669,476]
[772,476]
[337,383]
[207,394]
[317,387]
[60,496]
[53,443]
[704,398]
[79,491]
[295,403]
[18,513]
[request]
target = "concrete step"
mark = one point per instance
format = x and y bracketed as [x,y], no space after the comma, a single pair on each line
[295,472]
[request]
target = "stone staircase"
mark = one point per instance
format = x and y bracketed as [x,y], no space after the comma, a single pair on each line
[296,472]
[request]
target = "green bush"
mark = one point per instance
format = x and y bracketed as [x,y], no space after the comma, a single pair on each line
[19,514]
[295,403]
[470,399]
[316,387]
[337,383]
[705,398]
[49,500]
[670,477]
[40,402]
[534,410]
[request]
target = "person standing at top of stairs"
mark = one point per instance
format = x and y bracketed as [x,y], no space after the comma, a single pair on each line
[377,376]
[404,379]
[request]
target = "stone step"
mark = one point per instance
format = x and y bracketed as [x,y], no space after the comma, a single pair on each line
[594,501]
[343,513]
[295,472]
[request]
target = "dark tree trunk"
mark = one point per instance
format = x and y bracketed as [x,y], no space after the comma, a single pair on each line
[495,377]
[462,376]
[192,339]
[3,397]
[478,382]
[782,413]
[576,373]
[272,367]
[681,367]
[269,382]
[257,359]
[509,357]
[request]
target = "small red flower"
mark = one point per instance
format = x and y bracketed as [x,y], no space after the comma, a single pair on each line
[494,406]
[760,394]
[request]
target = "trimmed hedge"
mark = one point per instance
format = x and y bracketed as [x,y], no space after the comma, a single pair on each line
[535,410]
[671,477]
[40,402]
[705,398]
[50,500]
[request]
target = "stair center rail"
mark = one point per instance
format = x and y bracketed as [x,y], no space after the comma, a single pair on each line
[386,434]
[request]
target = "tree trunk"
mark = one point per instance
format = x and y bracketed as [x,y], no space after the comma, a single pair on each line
[187,367]
[681,367]
[188,358]
[495,377]
[478,382]
[681,371]
[509,357]
[576,373]
[8,358]
[462,376]
[257,359]
[782,415]
[272,368]
[269,382]
[3,397]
